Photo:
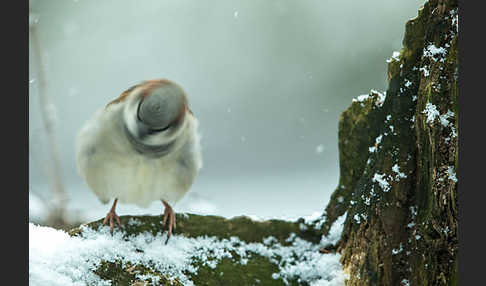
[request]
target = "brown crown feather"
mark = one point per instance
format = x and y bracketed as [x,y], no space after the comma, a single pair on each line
[147,86]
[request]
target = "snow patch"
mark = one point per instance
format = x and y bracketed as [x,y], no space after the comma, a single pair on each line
[361,98]
[425,71]
[55,258]
[413,211]
[433,52]
[380,179]
[334,232]
[396,251]
[395,56]
[453,134]
[431,111]
[134,222]
[381,97]
[357,218]
[451,174]
[399,175]
[364,97]
[444,119]
[377,143]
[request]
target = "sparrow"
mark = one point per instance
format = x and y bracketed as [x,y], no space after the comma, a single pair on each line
[143,146]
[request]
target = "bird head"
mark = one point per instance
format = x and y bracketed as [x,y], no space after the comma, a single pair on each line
[154,115]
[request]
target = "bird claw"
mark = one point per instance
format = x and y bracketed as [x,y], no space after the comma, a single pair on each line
[169,214]
[110,216]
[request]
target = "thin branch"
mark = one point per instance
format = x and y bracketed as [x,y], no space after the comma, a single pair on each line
[47,109]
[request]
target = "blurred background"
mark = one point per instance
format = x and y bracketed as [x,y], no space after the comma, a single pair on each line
[267,80]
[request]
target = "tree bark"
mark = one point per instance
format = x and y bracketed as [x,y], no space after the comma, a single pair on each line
[403,230]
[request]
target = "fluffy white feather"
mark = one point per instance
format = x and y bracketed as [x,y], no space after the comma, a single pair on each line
[112,167]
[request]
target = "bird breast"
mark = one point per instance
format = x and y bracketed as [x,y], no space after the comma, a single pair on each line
[108,159]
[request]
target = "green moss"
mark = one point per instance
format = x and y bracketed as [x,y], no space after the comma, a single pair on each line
[357,132]
[453,277]
[191,225]
[413,41]
[125,274]
[258,271]
[394,66]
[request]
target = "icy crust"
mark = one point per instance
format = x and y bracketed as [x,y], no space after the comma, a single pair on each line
[56,258]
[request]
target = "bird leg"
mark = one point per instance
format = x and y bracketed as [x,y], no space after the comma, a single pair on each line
[111,214]
[169,213]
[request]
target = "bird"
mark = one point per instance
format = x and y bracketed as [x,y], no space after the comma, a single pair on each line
[141,147]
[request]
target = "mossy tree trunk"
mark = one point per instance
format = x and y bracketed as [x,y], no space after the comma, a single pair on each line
[401,194]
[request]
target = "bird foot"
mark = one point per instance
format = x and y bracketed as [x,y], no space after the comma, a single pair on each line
[109,217]
[169,214]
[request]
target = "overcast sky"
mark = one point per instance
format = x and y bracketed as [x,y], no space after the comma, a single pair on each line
[267,80]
